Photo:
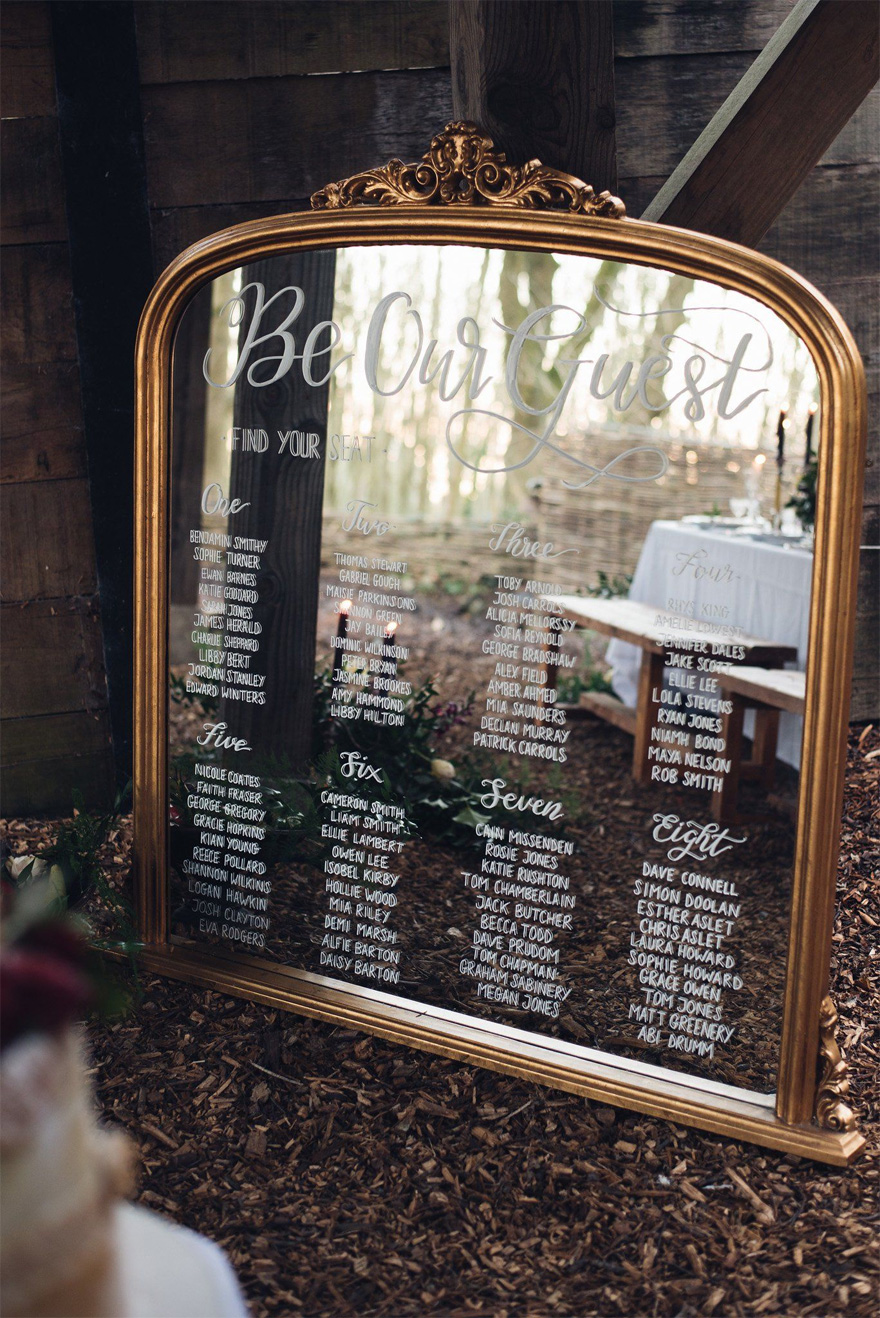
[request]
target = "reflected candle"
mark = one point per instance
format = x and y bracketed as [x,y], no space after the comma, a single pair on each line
[341,634]
[780,438]
[780,457]
[388,650]
[808,452]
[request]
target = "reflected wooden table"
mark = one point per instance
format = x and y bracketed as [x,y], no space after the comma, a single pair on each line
[767,691]
[764,588]
[657,634]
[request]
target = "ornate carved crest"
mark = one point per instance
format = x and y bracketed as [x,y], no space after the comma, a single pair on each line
[831,1111]
[462,168]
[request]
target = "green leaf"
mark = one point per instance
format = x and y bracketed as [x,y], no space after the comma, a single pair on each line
[470,817]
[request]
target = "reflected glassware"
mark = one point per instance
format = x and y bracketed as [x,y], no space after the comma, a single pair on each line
[790,523]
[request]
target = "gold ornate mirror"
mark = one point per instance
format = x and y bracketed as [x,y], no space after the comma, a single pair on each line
[496,571]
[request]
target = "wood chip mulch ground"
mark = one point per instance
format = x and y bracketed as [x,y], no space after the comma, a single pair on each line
[347,1176]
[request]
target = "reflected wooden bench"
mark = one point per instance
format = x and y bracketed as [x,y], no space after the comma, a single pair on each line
[767,692]
[650,628]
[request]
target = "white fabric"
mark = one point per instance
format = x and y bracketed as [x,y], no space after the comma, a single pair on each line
[167,1271]
[769,597]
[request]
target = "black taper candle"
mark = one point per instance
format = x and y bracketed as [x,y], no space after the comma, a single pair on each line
[780,438]
[388,655]
[339,648]
[808,453]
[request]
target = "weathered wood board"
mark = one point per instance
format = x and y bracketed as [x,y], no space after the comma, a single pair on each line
[36,304]
[175,228]
[53,685]
[655,28]
[30,181]
[46,538]
[540,88]
[28,84]
[45,759]
[274,40]
[42,423]
[59,643]
[384,114]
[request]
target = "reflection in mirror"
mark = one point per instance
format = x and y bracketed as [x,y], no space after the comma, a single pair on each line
[489,602]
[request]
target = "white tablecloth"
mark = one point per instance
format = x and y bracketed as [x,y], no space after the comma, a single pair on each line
[768,595]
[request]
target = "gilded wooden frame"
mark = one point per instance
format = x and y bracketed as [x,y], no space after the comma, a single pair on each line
[810,1116]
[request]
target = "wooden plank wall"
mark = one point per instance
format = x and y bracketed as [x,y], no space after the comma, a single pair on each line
[675,63]
[284,131]
[53,700]
[247,109]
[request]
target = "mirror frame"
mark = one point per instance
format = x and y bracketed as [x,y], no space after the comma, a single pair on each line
[464,191]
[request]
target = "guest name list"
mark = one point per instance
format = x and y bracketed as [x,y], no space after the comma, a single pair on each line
[365,838]
[685,917]
[227,885]
[526,641]
[371,611]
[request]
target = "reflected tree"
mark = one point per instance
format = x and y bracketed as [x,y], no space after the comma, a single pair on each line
[284,495]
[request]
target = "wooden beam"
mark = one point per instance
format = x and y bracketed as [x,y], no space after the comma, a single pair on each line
[538,77]
[99,116]
[776,124]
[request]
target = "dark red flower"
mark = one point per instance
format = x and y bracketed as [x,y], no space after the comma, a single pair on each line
[58,939]
[38,993]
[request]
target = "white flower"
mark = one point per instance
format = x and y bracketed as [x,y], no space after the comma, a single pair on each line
[442,769]
[44,891]
[16,864]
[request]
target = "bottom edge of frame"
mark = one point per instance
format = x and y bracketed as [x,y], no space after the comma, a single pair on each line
[674,1102]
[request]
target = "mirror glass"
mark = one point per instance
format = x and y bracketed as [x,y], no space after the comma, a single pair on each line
[490,578]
